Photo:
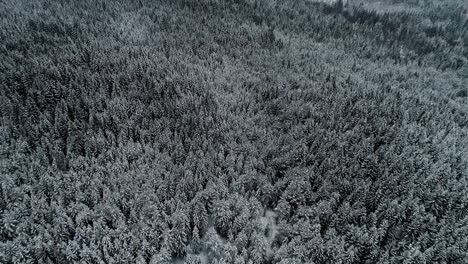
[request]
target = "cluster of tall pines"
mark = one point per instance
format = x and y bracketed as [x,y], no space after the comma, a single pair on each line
[233,131]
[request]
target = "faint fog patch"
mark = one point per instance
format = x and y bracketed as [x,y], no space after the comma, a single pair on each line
[382,7]
[269,227]
[131,29]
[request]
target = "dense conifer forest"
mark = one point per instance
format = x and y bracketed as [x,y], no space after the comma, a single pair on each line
[233,131]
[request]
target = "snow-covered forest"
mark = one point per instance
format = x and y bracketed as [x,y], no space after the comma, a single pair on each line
[233,131]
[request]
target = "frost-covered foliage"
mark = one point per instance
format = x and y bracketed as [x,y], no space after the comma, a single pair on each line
[247,131]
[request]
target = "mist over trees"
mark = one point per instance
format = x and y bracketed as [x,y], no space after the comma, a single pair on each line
[239,131]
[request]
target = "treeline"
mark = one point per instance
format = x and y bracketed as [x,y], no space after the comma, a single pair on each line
[169,131]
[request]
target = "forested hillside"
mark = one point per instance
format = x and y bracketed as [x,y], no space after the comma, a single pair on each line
[233,131]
